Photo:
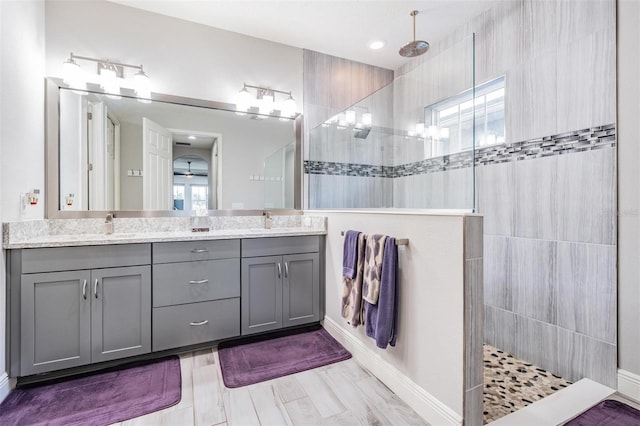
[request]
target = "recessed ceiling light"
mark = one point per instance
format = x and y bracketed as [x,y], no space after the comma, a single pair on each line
[376,44]
[192,137]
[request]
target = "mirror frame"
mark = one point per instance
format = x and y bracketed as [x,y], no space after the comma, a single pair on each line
[52,162]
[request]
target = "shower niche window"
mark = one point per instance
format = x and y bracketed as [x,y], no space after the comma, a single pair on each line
[450,122]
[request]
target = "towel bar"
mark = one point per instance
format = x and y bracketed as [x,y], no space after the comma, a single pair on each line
[399,241]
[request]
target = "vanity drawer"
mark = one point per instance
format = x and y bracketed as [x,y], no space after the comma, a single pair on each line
[186,251]
[273,246]
[53,259]
[183,325]
[187,282]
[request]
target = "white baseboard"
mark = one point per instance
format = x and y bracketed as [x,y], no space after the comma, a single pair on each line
[629,384]
[423,403]
[4,386]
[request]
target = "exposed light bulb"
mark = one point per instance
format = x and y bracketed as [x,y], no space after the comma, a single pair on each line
[73,76]
[266,103]
[142,85]
[288,107]
[109,82]
[367,119]
[350,116]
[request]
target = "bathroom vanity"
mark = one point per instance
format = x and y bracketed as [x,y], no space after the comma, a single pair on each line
[76,302]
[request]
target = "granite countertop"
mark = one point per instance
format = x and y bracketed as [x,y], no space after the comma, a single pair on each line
[156,237]
[87,232]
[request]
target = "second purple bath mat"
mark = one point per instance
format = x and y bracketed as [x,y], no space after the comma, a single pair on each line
[267,359]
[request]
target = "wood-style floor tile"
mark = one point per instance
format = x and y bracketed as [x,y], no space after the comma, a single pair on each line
[268,405]
[207,396]
[239,407]
[303,413]
[343,393]
[323,398]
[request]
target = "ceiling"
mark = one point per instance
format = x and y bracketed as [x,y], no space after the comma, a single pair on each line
[340,28]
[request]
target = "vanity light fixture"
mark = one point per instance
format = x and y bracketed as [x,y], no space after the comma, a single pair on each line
[349,118]
[110,76]
[265,101]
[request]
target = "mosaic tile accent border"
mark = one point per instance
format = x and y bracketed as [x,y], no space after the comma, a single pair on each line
[566,143]
[347,169]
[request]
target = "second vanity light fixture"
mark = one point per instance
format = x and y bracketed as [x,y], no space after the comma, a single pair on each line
[265,101]
[110,76]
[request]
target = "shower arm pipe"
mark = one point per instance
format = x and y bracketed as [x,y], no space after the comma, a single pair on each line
[266,89]
[414,13]
[106,61]
[399,241]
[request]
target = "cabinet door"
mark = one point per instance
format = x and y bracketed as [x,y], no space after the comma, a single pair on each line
[120,312]
[55,321]
[261,294]
[301,288]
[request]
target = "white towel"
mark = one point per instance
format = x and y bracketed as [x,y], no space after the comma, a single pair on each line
[373,267]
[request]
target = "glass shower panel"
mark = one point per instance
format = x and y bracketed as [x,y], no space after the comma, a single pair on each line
[408,145]
[278,178]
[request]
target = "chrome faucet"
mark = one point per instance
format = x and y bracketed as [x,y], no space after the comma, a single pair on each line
[108,224]
[267,219]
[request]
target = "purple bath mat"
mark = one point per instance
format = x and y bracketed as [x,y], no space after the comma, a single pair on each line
[267,359]
[97,399]
[608,413]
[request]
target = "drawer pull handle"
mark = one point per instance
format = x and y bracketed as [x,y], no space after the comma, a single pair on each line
[199,323]
[279,270]
[95,288]
[198,281]
[199,251]
[286,269]
[84,290]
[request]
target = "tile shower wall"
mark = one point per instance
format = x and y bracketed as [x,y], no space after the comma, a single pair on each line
[331,85]
[549,203]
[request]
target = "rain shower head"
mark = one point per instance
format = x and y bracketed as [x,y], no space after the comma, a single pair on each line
[416,47]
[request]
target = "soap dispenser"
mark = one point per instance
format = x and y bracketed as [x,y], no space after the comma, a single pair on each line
[267,220]
[108,224]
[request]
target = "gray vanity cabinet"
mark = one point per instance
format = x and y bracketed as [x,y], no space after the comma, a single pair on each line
[261,294]
[301,289]
[280,291]
[72,306]
[196,292]
[120,312]
[55,321]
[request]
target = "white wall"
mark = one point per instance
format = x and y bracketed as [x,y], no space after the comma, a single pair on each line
[21,123]
[429,348]
[22,105]
[181,58]
[628,184]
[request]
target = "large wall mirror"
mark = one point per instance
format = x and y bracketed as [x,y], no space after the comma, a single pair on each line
[170,156]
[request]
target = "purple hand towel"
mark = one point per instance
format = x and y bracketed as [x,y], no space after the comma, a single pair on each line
[380,319]
[350,254]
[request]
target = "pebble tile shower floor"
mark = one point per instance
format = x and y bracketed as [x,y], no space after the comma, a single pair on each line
[511,384]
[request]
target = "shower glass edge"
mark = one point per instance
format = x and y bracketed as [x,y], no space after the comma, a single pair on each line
[385,165]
